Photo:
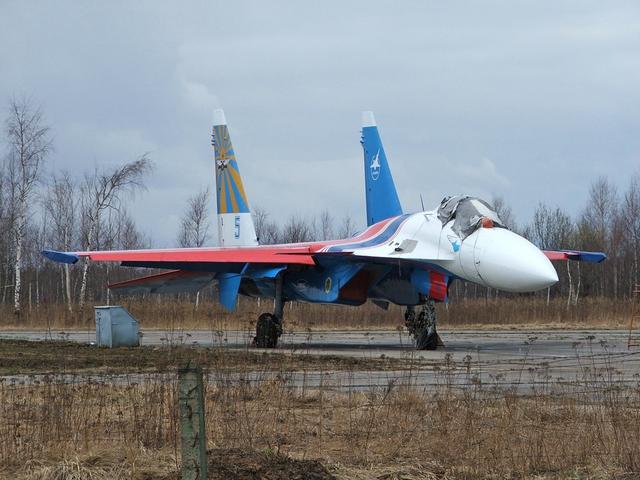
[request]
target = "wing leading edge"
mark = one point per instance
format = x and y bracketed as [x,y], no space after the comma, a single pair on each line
[166,258]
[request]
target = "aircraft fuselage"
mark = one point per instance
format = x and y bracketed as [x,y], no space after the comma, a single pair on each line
[369,267]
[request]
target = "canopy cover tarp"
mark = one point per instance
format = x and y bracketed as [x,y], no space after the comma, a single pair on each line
[467,214]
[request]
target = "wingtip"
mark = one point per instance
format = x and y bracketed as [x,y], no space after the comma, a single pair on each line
[219,117]
[60,257]
[368,120]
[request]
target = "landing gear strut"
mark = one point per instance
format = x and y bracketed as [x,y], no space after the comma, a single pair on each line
[423,326]
[269,325]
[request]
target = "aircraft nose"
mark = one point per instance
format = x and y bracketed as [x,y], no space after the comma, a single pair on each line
[509,262]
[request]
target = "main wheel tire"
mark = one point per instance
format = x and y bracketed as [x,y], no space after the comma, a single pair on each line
[410,319]
[268,329]
[427,339]
[425,333]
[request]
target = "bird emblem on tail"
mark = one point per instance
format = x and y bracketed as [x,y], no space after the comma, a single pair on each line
[375,166]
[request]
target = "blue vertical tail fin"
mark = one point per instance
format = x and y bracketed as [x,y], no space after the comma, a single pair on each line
[381,195]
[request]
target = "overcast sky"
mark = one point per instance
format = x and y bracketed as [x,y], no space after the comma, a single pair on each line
[527,100]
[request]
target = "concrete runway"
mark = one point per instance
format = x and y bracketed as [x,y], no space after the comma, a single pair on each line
[521,360]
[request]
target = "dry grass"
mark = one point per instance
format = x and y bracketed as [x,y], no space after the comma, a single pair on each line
[175,314]
[587,429]
[108,464]
[533,311]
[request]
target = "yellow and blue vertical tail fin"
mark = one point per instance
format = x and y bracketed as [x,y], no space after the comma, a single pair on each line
[381,195]
[235,224]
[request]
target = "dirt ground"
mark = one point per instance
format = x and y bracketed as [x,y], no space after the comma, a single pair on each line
[251,465]
[26,357]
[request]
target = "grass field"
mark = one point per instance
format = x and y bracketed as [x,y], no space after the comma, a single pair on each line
[69,425]
[173,314]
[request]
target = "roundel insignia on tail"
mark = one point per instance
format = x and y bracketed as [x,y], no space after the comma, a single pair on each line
[327,285]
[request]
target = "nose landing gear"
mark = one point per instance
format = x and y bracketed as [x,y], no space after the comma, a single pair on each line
[423,326]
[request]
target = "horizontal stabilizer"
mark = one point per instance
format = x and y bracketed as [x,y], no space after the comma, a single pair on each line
[176,281]
[576,255]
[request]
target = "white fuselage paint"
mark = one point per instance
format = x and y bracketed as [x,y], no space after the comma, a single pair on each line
[494,257]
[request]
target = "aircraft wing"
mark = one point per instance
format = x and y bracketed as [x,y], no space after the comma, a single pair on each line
[576,255]
[225,259]
[192,258]
[193,268]
[175,281]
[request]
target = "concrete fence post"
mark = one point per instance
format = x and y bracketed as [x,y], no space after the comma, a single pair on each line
[192,426]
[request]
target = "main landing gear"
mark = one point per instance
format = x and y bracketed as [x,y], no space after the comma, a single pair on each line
[423,326]
[269,325]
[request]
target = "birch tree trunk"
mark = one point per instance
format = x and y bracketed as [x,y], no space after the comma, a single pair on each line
[101,192]
[19,239]
[29,144]
[67,275]
[83,283]
[575,301]
[570,284]
[85,265]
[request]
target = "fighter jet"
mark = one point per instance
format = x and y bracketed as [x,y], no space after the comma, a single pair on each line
[408,259]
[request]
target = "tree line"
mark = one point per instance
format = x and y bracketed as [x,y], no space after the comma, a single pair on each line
[88,211]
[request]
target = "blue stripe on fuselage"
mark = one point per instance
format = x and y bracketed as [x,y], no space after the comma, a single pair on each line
[380,238]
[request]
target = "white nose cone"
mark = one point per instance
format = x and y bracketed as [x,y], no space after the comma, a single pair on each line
[507,261]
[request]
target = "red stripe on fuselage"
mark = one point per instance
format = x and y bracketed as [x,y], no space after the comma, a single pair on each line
[438,286]
[369,233]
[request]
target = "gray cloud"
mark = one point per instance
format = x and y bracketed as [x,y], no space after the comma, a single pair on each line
[527,100]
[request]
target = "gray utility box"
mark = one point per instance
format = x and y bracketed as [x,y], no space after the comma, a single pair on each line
[115,327]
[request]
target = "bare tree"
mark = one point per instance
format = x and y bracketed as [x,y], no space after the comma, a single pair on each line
[554,229]
[296,230]
[128,237]
[504,212]
[326,226]
[61,205]
[103,191]
[597,219]
[631,214]
[267,231]
[194,227]
[5,228]
[540,226]
[29,144]
[347,227]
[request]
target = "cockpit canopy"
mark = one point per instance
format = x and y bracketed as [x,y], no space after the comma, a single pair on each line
[467,213]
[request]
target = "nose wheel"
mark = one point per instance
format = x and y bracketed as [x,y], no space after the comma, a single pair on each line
[422,326]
